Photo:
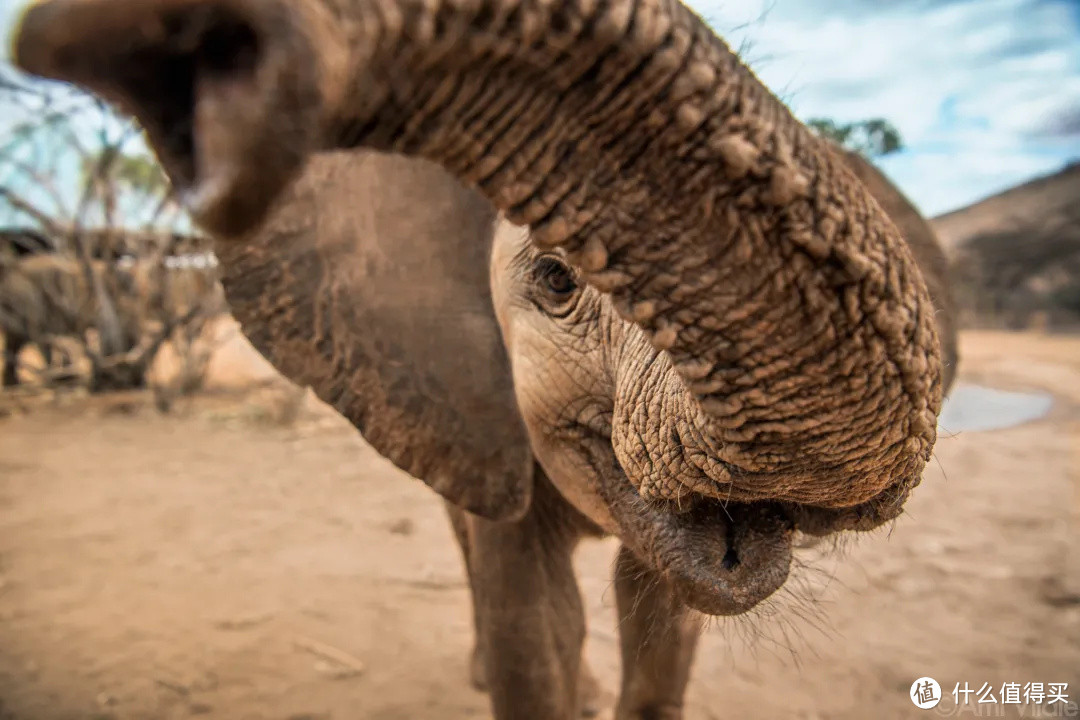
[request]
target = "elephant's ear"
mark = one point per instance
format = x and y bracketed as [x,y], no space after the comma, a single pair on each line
[370,283]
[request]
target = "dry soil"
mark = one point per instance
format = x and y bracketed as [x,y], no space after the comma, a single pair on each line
[248,556]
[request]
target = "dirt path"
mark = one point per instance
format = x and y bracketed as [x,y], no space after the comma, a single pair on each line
[174,566]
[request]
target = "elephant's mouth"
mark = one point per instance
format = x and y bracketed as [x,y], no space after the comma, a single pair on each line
[722,558]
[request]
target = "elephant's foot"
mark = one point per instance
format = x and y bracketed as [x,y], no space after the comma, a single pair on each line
[591,696]
[10,375]
[477,672]
[651,713]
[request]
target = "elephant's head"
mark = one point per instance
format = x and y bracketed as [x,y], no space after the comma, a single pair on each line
[709,332]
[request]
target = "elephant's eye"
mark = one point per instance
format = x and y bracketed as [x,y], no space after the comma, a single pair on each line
[555,282]
[556,276]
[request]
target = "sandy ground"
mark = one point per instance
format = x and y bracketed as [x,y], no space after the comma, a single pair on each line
[236,558]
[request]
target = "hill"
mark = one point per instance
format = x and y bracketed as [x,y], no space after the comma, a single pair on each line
[1016,255]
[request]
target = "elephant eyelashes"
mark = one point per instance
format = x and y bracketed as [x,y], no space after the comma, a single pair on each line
[556,286]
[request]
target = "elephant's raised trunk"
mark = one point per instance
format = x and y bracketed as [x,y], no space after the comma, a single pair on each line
[622,131]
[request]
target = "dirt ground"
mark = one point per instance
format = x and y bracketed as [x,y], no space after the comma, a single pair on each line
[248,556]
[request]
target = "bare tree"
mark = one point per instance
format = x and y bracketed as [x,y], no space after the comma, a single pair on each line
[72,172]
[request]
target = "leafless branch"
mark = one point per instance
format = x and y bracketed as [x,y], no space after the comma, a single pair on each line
[109,329]
[45,183]
[168,327]
[28,208]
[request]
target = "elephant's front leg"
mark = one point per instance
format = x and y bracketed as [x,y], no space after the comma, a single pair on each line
[657,635]
[529,616]
[459,522]
[12,346]
[590,694]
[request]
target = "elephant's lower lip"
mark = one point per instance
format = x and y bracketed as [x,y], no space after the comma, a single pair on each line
[722,559]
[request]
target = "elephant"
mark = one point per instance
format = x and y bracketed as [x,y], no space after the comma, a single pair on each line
[15,243]
[571,265]
[44,295]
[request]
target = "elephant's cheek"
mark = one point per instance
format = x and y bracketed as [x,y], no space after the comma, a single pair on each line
[548,378]
[577,486]
[566,467]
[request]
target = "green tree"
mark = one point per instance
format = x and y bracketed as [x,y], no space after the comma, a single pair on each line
[872,138]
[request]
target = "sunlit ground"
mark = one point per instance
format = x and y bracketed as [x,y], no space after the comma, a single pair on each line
[248,556]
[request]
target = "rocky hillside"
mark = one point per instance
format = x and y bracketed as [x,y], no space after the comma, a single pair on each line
[1016,255]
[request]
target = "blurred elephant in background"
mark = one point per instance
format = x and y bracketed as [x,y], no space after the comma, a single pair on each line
[663,309]
[45,296]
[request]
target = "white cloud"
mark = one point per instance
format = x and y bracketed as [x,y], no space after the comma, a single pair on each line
[972,86]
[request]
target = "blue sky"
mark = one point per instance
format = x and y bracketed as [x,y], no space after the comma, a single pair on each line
[985,92]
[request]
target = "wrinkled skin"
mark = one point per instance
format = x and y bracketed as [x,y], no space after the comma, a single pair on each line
[926,250]
[691,324]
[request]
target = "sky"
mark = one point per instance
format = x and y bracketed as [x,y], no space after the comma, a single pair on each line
[986,93]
